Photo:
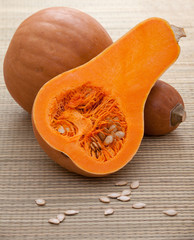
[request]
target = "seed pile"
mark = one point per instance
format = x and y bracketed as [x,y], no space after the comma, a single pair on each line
[123,196]
[91,116]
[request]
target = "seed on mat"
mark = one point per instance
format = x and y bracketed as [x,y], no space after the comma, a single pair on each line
[124,198]
[71,212]
[54,221]
[108,211]
[134,185]
[108,140]
[126,192]
[138,205]
[61,217]
[114,195]
[104,199]
[120,134]
[40,202]
[121,183]
[92,147]
[61,129]
[170,212]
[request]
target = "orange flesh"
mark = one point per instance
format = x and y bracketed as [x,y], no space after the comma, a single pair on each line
[124,73]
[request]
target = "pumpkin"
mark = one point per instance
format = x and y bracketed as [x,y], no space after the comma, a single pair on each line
[46,44]
[164,109]
[90,119]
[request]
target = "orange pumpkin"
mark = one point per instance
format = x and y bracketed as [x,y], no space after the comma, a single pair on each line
[46,44]
[90,119]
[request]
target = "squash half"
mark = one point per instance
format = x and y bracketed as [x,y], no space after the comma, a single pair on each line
[90,120]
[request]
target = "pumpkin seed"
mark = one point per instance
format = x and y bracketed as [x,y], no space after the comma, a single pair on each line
[108,140]
[170,212]
[92,147]
[95,145]
[61,217]
[108,211]
[61,129]
[124,198]
[112,127]
[114,195]
[40,202]
[71,212]
[120,134]
[54,221]
[134,185]
[126,192]
[101,136]
[104,199]
[121,183]
[138,205]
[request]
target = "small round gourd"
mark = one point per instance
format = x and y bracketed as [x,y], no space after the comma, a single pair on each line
[164,110]
[46,44]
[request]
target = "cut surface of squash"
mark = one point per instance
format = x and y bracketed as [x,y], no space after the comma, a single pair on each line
[94,113]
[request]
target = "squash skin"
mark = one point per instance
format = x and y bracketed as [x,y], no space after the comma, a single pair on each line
[163,98]
[121,83]
[46,44]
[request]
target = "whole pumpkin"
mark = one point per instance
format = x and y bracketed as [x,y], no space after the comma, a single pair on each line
[46,44]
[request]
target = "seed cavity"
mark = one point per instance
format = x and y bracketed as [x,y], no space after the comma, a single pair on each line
[40,202]
[92,117]
[170,212]
[71,212]
[124,198]
[114,195]
[121,183]
[54,221]
[126,192]
[134,185]
[104,199]
[138,205]
[61,217]
[108,211]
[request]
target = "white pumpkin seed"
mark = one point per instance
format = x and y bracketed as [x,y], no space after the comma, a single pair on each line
[108,211]
[120,134]
[112,127]
[40,202]
[71,212]
[54,221]
[108,140]
[134,185]
[124,198]
[104,199]
[114,195]
[121,183]
[138,205]
[170,212]
[61,129]
[126,192]
[61,217]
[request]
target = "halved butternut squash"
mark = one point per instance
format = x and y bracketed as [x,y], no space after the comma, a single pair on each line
[90,119]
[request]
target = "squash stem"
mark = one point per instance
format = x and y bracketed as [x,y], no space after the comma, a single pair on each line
[178,32]
[178,115]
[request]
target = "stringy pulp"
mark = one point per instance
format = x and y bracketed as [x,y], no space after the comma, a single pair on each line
[93,117]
